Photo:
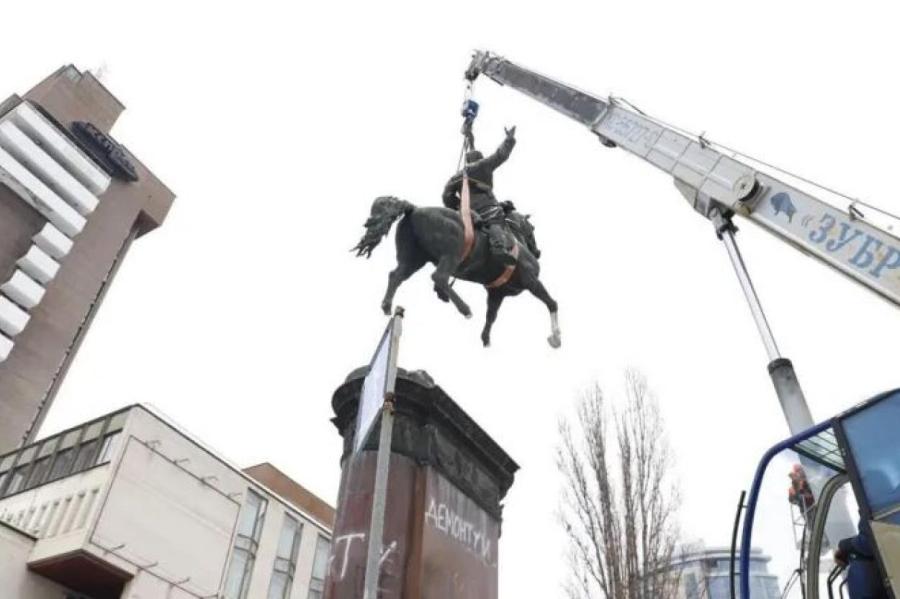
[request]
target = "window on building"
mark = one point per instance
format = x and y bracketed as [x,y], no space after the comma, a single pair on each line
[110,443]
[17,481]
[280,585]
[6,464]
[19,474]
[62,463]
[320,567]
[246,542]
[691,588]
[719,587]
[59,456]
[117,422]
[285,559]
[38,472]
[41,464]
[84,459]
[65,455]
[757,565]
[28,454]
[771,585]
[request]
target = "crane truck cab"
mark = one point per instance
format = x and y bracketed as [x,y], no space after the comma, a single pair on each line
[852,465]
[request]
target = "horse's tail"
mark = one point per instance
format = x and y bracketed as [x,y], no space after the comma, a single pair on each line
[385,211]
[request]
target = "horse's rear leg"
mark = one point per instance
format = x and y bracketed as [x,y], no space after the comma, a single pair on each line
[446,266]
[539,291]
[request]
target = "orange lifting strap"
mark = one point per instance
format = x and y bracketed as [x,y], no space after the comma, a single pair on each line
[465,212]
[507,273]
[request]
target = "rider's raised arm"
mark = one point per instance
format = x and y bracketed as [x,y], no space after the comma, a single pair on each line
[451,189]
[503,152]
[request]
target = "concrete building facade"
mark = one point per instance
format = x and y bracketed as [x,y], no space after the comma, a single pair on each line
[72,199]
[130,506]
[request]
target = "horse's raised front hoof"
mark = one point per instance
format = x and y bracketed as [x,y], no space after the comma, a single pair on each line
[485,341]
[442,296]
[555,341]
[386,308]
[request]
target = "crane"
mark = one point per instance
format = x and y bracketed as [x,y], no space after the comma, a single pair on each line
[719,185]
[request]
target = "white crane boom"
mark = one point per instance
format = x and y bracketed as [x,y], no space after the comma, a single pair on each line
[714,182]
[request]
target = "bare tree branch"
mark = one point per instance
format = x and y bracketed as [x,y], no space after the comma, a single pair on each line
[619,506]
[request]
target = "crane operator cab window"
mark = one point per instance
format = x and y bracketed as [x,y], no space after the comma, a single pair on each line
[824,507]
[873,444]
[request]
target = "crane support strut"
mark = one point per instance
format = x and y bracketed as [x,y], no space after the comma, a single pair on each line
[781,370]
[725,230]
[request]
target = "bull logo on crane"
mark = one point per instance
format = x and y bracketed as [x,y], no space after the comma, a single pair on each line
[781,202]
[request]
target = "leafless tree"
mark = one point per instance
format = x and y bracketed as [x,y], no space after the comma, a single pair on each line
[619,500]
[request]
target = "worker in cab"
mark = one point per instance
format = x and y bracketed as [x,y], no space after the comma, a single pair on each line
[858,555]
[480,172]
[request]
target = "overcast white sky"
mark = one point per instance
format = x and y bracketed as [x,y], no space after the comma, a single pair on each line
[278,123]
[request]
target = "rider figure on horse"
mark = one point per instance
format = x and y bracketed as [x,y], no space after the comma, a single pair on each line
[480,172]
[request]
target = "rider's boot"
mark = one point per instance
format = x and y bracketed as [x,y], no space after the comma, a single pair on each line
[499,250]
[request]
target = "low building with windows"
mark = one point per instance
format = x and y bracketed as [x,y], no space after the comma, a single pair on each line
[704,574]
[130,506]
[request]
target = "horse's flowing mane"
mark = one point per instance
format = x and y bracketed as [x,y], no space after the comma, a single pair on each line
[385,210]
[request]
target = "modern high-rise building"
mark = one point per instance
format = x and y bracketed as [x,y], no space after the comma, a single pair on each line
[704,574]
[72,199]
[130,506]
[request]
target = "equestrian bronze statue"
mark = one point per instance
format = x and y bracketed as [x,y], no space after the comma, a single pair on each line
[490,243]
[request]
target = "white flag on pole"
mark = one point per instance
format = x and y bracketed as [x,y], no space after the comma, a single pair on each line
[375,387]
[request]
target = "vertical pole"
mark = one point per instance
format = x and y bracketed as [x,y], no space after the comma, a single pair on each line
[379,493]
[379,502]
[781,370]
[734,536]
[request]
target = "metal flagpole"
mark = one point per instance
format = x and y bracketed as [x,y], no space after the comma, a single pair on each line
[379,497]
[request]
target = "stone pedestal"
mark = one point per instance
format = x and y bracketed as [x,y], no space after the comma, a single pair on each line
[447,481]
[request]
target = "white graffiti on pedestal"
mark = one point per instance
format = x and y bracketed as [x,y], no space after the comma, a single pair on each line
[340,553]
[444,519]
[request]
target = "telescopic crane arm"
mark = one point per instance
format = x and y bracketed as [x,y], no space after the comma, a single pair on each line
[717,185]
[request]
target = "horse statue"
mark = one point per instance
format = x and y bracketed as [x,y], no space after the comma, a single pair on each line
[436,234]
